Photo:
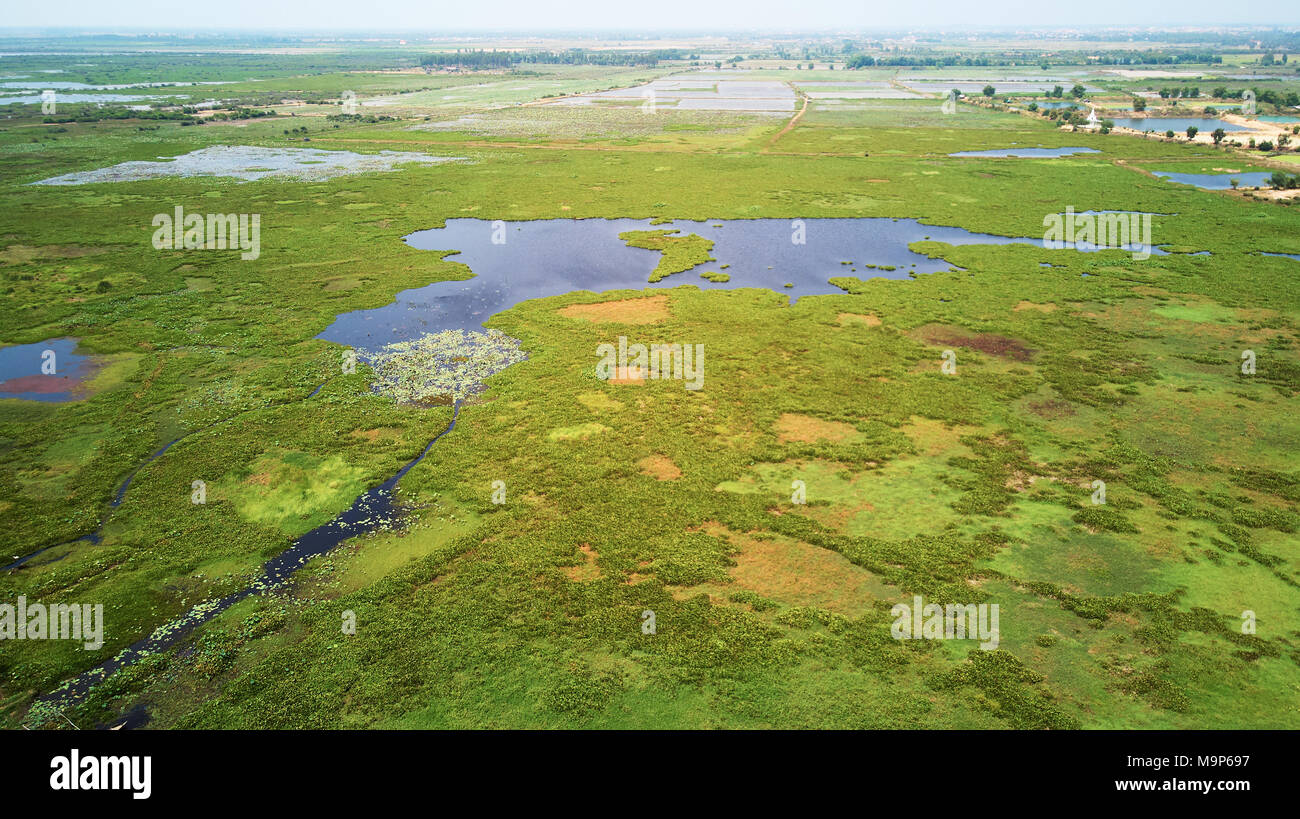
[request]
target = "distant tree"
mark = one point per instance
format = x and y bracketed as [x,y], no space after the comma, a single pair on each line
[1265,146]
[1218,135]
[1284,181]
[1191,131]
[1057,91]
[1234,182]
[989,91]
[1169,134]
[1033,106]
[1078,91]
[1139,104]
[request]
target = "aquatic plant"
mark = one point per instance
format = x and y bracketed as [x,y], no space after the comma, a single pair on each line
[452,363]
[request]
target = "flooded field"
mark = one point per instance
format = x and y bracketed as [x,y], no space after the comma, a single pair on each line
[248,163]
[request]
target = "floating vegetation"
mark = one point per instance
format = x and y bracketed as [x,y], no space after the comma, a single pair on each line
[438,367]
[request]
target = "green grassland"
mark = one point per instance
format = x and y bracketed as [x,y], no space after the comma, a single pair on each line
[963,488]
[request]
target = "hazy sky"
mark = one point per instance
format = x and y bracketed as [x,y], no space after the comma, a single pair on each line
[441,15]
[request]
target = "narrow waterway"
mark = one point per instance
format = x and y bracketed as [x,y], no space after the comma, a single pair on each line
[374,508]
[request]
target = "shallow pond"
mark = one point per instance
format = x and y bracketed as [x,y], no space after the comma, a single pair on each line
[21,374]
[1217,181]
[1028,153]
[977,87]
[1178,125]
[1060,104]
[544,258]
[249,163]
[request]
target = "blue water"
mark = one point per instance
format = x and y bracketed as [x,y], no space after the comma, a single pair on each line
[1178,125]
[1275,118]
[1295,256]
[37,99]
[25,360]
[557,256]
[1217,181]
[1029,153]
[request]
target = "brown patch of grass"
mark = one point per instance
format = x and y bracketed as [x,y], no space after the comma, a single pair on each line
[987,343]
[623,311]
[22,254]
[799,574]
[628,375]
[806,429]
[1052,408]
[585,571]
[375,434]
[1049,307]
[931,437]
[659,467]
[1020,480]
[869,319]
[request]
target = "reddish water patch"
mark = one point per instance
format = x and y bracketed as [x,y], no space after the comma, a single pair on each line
[43,384]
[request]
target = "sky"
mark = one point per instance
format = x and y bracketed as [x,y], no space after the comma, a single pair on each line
[645,15]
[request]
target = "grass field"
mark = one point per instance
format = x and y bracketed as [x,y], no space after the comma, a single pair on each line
[629,496]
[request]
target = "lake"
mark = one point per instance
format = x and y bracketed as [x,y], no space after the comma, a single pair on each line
[557,256]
